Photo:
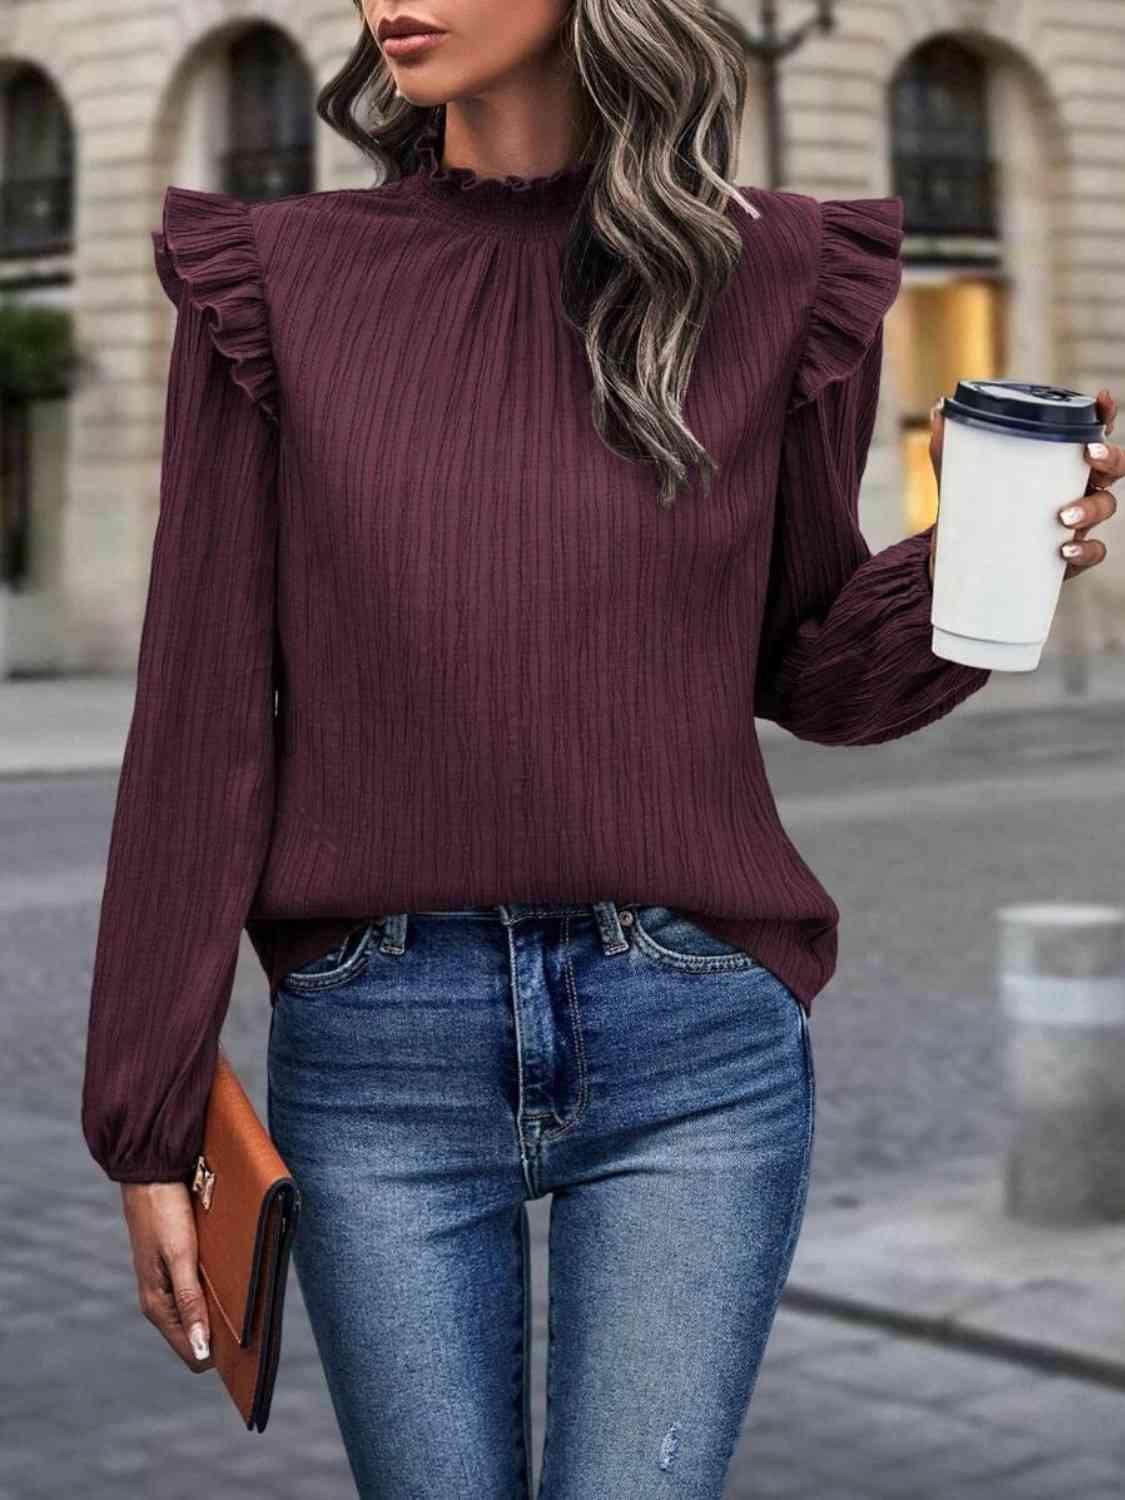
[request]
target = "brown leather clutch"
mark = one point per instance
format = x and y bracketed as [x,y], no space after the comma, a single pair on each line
[246,1207]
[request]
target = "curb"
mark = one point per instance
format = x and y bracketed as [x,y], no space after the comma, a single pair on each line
[93,766]
[1050,1359]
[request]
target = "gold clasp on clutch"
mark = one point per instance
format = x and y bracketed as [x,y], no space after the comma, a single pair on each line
[203,1182]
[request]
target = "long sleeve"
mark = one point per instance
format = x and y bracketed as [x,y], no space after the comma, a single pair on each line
[195,795]
[845,652]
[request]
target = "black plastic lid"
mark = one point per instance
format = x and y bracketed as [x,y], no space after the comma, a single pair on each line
[1051,413]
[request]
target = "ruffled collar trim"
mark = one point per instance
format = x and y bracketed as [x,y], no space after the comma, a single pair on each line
[533,204]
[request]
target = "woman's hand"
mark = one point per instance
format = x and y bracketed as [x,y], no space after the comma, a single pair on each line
[165,1257]
[1107,463]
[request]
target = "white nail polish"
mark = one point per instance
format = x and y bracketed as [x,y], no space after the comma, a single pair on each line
[1071,516]
[198,1339]
[1097,450]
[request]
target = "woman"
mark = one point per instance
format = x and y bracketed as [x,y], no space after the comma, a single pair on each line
[462,593]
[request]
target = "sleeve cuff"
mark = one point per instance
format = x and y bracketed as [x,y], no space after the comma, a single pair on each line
[149,1174]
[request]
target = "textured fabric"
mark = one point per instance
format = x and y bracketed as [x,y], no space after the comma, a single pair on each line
[501,670]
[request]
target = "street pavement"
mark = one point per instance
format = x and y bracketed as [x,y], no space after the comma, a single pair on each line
[877,1381]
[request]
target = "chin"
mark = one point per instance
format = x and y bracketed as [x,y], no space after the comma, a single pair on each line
[415,92]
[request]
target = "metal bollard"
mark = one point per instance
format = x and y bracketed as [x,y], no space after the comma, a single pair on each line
[1062,977]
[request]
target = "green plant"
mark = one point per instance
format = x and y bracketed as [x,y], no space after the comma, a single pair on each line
[39,358]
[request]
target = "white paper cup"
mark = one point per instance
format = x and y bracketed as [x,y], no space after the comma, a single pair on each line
[1013,454]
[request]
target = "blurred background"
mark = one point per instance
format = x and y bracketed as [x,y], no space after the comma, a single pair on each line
[955,1321]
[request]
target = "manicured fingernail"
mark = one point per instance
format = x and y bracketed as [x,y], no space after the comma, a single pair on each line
[1071,515]
[1072,549]
[1097,450]
[199,1346]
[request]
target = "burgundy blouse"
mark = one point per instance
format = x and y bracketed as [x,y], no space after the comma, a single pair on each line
[415,638]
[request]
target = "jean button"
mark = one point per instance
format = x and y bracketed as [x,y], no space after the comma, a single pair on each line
[626,918]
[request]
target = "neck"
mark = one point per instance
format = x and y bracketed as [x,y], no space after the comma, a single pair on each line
[511,202]
[521,137]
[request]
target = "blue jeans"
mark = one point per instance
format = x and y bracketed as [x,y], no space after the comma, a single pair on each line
[436,1071]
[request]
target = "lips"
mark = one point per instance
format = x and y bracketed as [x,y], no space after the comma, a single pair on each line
[404,47]
[402,26]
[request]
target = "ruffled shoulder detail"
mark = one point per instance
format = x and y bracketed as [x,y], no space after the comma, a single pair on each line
[858,280]
[205,248]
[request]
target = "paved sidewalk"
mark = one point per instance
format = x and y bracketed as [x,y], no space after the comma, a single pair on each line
[940,1260]
[79,723]
[64,724]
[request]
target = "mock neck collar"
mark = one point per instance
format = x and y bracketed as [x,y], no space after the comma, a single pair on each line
[512,204]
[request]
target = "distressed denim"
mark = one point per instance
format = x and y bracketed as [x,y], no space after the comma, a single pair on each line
[435,1072]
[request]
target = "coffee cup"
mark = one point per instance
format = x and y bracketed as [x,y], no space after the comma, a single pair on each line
[1013,454]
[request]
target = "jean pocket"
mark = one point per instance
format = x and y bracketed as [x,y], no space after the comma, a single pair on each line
[336,967]
[667,936]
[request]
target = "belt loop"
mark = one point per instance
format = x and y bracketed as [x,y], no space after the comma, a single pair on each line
[394,934]
[610,928]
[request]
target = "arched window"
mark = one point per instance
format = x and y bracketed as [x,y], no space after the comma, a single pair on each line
[269,117]
[38,166]
[942,161]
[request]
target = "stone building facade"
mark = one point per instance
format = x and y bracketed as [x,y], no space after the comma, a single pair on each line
[995,118]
